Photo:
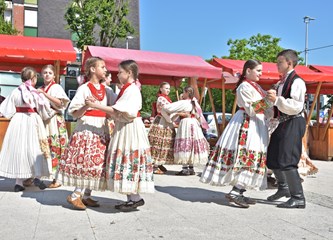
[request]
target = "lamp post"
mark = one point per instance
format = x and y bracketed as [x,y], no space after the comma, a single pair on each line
[307,19]
[127,39]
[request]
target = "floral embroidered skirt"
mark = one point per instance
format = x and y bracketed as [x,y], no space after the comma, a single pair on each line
[131,164]
[83,163]
[57,139]
[239,156]
[161,138]
[191,146]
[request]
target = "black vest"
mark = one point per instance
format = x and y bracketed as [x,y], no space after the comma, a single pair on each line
[286,91]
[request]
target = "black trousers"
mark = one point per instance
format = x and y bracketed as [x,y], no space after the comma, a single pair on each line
[285,147]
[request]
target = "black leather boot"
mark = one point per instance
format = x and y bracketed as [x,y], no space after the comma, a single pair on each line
[283,190]
[297,199]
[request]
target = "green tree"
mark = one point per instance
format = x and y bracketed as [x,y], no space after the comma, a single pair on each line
[6,27]
[261,47]
[113,22]
[107,17]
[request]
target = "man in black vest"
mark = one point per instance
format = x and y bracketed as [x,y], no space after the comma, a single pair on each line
[285,147]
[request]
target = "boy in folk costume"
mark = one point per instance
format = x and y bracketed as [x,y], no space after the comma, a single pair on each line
[285,147]
[83,164]
[25,152]
[131,166]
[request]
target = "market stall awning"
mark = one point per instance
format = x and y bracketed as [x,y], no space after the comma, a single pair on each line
[233,68]
[17,52]
[156,67]
[322,69]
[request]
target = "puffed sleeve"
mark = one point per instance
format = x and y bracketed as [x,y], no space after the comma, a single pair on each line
[7,107]
[129,104]
[246,96]
[295,104]
[169,110]
[79,99]
[58,92]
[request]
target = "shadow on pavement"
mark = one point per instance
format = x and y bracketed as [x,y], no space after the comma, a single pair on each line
[57,197]
[195,195]
[205,196]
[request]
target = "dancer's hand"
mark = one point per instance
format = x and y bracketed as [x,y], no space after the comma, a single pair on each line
[271,95]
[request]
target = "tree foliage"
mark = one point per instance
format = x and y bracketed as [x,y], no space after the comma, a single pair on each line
[113,21]
[6,27]
[260,47]
[107,17]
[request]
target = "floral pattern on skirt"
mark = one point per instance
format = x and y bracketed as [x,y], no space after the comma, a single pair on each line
[58,140]
[241,165]
[83,162]
[131,171]
[161,139]
[191,146]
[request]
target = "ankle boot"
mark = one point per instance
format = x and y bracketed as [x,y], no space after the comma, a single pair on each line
[236,196]
[297,199]
[283,190]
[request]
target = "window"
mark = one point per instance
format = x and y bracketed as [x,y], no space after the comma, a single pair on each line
[8,82]
[30,18]
[30,32]
[30,23]
[8,15]
[32,2]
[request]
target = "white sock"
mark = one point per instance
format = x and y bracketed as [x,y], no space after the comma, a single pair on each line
[135,197]
[75,194]
[19,181]
[87,193]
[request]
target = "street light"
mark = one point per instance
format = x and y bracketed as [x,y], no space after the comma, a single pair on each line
[127,38]
[307,19]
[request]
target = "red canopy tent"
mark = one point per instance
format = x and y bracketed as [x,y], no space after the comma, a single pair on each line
[231,69]
[156,67]
[17,52]
[319,80]
[327,86]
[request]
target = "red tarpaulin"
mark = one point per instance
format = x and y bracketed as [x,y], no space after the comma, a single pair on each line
[231,69]
[156,67]
[17,52]
[327,86]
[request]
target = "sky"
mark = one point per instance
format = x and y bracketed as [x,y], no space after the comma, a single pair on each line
[203,28]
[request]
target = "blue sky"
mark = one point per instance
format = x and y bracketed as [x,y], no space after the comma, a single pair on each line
[202,28]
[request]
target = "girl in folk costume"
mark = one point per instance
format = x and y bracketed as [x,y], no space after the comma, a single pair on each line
[83,163]
[131,167]
[56,126]
[25,152]
[191,147]
[239,157]
[162,133]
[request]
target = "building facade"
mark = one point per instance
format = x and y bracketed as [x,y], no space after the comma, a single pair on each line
[45,18]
